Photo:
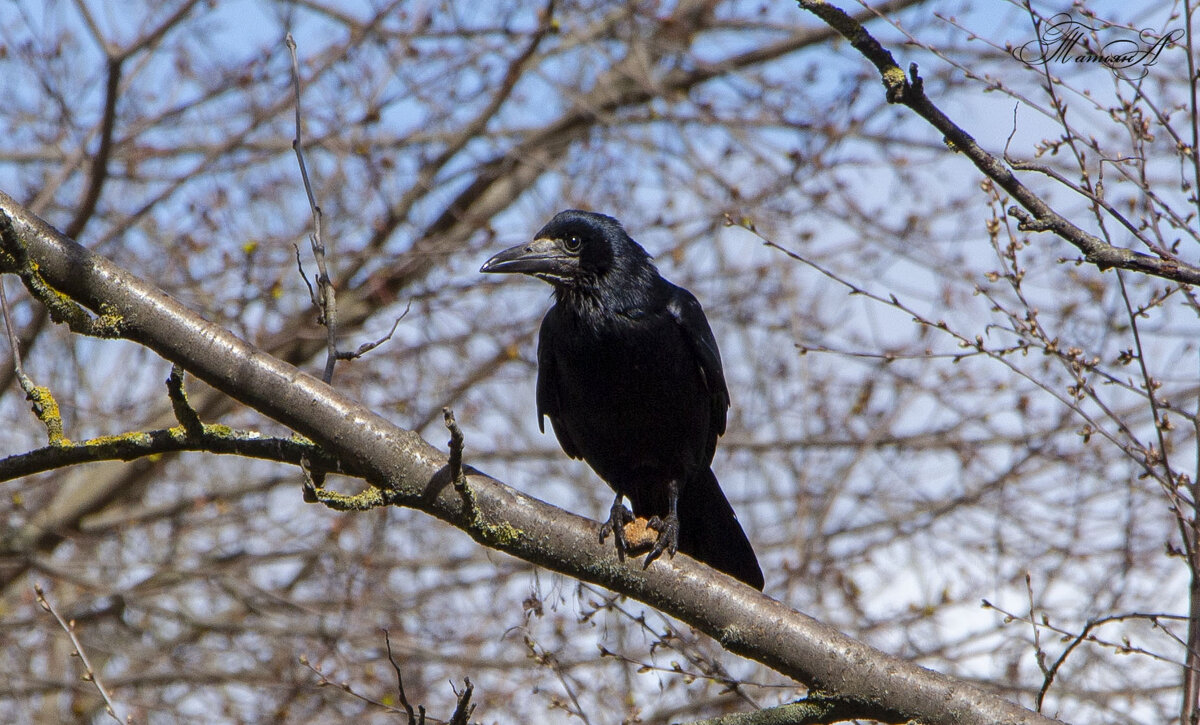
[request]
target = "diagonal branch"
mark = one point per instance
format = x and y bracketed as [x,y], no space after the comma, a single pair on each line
[89,673]
[1036,215]
[417,475]
[99,170]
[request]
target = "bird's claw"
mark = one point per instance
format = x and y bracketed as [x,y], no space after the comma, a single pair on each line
[618,516]
[668,537]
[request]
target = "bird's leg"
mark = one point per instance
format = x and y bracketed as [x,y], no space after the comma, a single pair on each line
[618,516]
[667,528]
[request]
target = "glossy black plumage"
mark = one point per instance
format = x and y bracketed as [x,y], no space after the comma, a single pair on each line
[630,377]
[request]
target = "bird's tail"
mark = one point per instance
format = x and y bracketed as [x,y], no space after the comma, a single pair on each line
[709,531]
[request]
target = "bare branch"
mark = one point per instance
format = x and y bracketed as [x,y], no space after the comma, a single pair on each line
[326,295]
[144,444]
[45,407]
[412,720]
[456,449]
[346,687]
[909,91]
[367,347]
[184,412]
[89,673]
[99,170]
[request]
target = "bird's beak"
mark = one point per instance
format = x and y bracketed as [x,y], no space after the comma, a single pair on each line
[543,258]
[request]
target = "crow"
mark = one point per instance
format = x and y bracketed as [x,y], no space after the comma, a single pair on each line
[630,377]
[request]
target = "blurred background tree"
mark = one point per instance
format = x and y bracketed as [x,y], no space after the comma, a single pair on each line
[931,407]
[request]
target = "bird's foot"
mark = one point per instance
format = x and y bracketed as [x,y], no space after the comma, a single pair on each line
[668,536]
[618,516]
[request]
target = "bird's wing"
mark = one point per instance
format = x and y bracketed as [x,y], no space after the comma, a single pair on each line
[547,385]
[688,314]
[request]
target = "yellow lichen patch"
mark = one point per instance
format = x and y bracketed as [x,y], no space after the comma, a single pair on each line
[498,534]
[894,77]
[45,407]
[62,308]
[137,437]
[108,324]
[362,501]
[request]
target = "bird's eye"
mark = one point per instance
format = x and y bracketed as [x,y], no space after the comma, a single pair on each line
[573,244]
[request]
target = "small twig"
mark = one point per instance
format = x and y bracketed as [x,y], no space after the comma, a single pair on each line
[312,295]
[1133,449]
[456,449]
[89,672]
[1086,635]
[1039,654]
[327,297]
[1155,619]
[311,482]
[45,407]
[367,347]
[412,719]
[1195,124]
[470,508]
[416,716]
[184,412]
[464,708]
[1171,485]
[1149,382]
[1026,222]
[15,344]
[345,687]
[1091,196]
[548,660]
[98,174]
[1053,670]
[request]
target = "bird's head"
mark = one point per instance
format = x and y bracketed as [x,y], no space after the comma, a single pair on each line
[575,249]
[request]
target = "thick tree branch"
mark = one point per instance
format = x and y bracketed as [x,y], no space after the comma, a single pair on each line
[816,709]
[1037,215]
[415,474]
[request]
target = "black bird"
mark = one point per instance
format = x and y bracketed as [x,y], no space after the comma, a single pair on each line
[630,376]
